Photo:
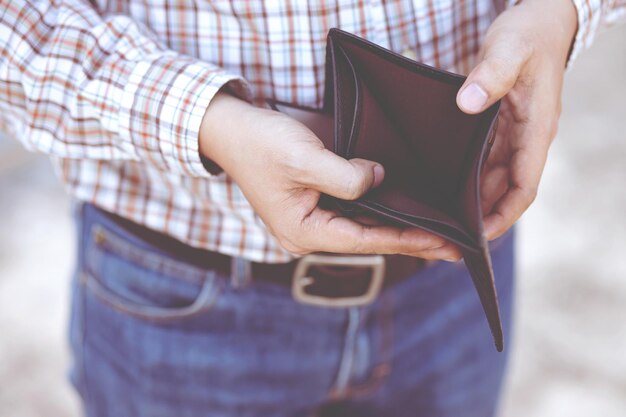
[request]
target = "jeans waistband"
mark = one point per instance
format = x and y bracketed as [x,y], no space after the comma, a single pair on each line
[398,267]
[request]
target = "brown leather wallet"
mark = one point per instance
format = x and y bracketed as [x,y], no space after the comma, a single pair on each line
[381,106]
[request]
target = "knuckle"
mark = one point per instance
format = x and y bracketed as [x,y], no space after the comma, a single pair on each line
[501,73]
[350,191]
[296,163]
[529,195]
[499,70]
[525,46]
[354,186]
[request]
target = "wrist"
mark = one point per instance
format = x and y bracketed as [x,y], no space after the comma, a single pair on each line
[223,120]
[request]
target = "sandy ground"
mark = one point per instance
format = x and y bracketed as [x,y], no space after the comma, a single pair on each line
[570,353]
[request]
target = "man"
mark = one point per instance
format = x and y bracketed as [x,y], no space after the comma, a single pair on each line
[182,302]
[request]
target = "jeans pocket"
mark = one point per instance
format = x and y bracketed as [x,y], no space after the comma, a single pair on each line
[142,282]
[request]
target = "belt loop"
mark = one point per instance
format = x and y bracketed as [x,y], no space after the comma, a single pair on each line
[240,272]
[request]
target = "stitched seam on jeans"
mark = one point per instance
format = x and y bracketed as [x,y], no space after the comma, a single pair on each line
[148,312]
[381,372]
[103,240]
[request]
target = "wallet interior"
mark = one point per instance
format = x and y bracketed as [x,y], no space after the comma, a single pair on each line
[432,152]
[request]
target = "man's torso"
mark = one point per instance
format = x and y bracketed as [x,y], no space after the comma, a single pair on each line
[279,48]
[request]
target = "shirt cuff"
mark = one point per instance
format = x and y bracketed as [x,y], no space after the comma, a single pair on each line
[589,17]
[165,99]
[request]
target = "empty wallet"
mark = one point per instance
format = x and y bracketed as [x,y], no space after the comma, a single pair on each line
[381,106]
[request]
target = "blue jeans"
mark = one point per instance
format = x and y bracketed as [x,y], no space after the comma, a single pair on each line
[153,336]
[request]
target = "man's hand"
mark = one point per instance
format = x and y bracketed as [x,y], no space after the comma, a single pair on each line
[523,60]
[282,168]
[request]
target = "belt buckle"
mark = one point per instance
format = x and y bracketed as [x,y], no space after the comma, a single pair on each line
[301,281]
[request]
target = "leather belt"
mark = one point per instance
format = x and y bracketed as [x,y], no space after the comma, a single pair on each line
[329,280]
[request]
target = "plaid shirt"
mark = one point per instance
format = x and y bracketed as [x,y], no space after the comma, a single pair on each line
[115,90]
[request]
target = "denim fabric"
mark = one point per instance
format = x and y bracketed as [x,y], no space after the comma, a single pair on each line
[153,336]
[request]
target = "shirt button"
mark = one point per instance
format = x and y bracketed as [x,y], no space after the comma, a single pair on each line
[409,53]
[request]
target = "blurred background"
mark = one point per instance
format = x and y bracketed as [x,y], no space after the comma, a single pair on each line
[569,357]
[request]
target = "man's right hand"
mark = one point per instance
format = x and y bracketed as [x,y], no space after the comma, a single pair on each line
[282,168]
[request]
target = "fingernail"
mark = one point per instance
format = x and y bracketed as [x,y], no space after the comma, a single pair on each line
[473,98]
[379,175]
[453,260]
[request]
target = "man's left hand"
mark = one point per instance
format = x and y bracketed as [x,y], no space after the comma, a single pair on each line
[523,60]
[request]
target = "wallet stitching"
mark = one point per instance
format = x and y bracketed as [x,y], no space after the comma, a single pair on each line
[358,104]
[337,90]
[400,217]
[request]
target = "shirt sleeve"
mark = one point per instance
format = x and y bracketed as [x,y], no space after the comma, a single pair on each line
[592,15]
[75,84]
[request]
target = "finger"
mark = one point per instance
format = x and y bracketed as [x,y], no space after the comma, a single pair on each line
[495,75]
[368,220]
[448,252]
[327,231]
[345,179]
[494,183]
[526,168]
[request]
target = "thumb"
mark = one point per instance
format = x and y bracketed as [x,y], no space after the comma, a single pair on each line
[344,179]
[493,77]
